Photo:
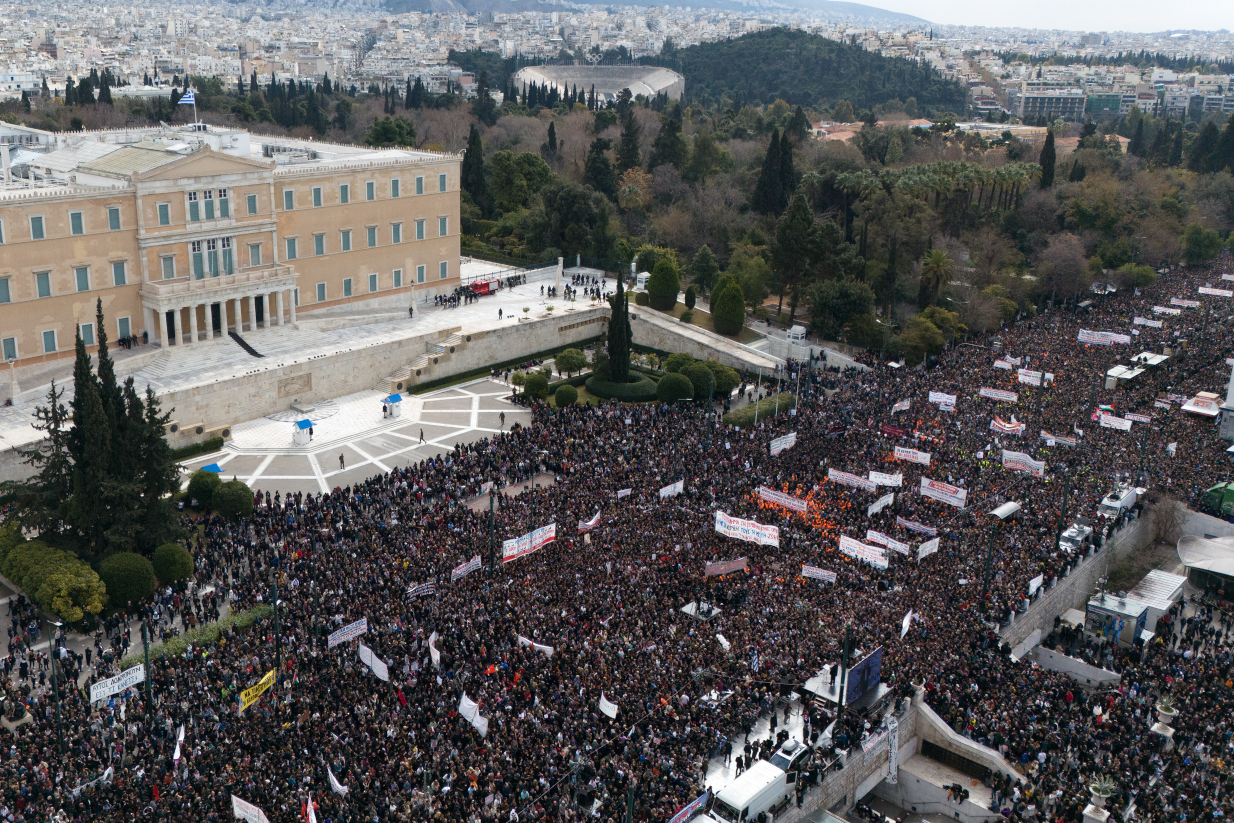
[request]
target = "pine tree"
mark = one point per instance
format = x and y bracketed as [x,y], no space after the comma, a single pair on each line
[1203,149]
[25,100]
[669,147]
[629,155]
[473,170]
[1046,161]
[41,501]
[788,174]
[109,390]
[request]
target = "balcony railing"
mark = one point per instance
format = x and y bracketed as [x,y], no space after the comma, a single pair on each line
[189,285]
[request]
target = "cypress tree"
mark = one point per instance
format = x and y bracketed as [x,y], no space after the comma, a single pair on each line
[628,154]
[598,172]
[473,170]
[91,445]
[619,334]
[788,174]
[1136,146]
[407,97]
[1176,150]
[768,192]
[1046,160]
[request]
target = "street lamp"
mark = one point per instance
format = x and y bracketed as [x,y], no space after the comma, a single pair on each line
[55,681]
[882,353]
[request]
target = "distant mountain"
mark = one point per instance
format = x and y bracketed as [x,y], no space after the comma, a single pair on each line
[832,10]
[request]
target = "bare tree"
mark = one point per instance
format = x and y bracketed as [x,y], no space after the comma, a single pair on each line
[1168,516]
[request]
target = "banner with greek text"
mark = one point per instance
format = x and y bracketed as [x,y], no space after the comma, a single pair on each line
[912,455]
[903,405]
[588,525]
[794,504]
[1109,421]
[724,567]
[892,480]
[250,696]
[687,811]
[673,489]
[1186,304]
[781,443]
[1216,292]
[1144,321]
[873,555]
[815,573]
[349,632]
[999,395]
[1138,418]
[247,811]
[1003,364]
[747,530]
[1021,462]
[942,398]
[888,542]
[607,707]
[1096,338]
[1057,438]
[943,492]
[1035,584]
[846,479]
[892,431]
[623,493]
[114,685]
[913,525]
[926,549]
[880,504]
[1002,426]
[1032,378]
[466,568]
[518,547]
[1166,310]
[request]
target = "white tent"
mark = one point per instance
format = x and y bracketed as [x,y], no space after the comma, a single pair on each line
[1212,554]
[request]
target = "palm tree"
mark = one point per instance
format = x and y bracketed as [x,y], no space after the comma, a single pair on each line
[936,268]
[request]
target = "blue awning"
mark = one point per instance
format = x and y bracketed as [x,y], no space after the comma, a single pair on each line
[394,398]
[213,467]
[304,424]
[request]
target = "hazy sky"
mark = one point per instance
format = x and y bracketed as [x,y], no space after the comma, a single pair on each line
[1090,15]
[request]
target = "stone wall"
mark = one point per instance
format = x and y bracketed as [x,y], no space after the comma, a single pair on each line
[658,331]
[1077,670]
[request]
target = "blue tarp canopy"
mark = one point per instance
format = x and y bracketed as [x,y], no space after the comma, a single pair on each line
[394,398]
[213,467]
[304,424]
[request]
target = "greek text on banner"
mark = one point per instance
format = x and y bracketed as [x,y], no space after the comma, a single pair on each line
[518,547]
[999,394]
[846,479]
[747,530]
[944,492]
[724,567]
[815,573]
[250,696]
[794,504]
[781,443]
[114,685]
[912,455]
[880,504]
[873,555]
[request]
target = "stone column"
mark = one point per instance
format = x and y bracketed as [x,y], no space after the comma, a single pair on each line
[160,333]
[223,316]
[193,323]
[147,321]
[278,302]
[175,338]
[239,312]
[252,312]
[291,302]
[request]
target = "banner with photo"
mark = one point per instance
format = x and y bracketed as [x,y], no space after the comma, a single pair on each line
[912,455]
[466,568]
[926,549]
[846,479]
[1021,462]
[873,555]
[781,443]
[944,492]
[999,395]
[747,530]
[880,504]
[673,489]
[1002,426]
[892,480]
[815,573]
[913,525]
[349,632]
[724,567]
[795,504]
[518,547]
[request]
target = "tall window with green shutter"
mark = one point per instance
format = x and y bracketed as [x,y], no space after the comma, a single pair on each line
[372,236]
[6,295]
[252,203]
[396,232]
[289,199]
[169,267]
[419,229]
[36,227]
[49,342]
[372,283]
[42,283]
[394,187]
[164,214]
[316,196]
[319,244]
[419,185]
[443,226]
[344,193]
[119,272]
[370,190]
[113,218]
[347,287]
[345,240]
[224,203]
[82,275]
[194,207]
[291,248]
[441,182]
[8,348]
[444,269]
[208,198]
[398,278]
[76,226]
[419,274]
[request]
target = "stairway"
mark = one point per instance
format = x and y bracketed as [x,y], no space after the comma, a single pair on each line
[244,345]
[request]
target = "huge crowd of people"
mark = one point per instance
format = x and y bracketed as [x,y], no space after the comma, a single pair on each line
[539,642]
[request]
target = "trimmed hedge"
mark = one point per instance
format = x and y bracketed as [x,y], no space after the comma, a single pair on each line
[56,580]
[129,578]
[565,396]
[674,388]
[202,486]
[211,445]
[234,500]
[172,562]
[642,299]
[701,378]
[766,409]
[642,390]
[485,371]
[536,385]
[201,636]
[728,309]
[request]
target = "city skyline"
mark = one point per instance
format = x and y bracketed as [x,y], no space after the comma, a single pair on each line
[1138,16]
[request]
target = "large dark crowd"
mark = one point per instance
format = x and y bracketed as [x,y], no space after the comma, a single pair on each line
[607,604]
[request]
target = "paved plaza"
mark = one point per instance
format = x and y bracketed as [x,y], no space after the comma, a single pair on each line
[262,454]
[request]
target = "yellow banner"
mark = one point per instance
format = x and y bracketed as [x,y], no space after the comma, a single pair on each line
[250,696]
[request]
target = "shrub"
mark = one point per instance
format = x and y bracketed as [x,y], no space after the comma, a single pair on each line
[202,486]
[205,447]
[728,309]
[233,500]
[55,579]
[570,361]
[1200,244]
[727,378]
[129,578]
[664,284]
[641,390]
[767,407]
[687,316]
[641,299]
[10,538]
[565,396]
[691,297]
[674,387]
[536,386]
[201,636]
[173,562]
[701,379]
[678,362]
[517,378]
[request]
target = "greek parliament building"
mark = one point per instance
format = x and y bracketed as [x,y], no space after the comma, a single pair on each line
[188,233]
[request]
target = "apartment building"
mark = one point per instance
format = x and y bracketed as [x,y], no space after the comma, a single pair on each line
[188,234]
[1042,101]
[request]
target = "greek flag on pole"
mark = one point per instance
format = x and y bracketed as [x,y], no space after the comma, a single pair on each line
[187,98]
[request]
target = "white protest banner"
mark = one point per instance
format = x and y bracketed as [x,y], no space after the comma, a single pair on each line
[1021,462]
[747,530]
[1003,364]
[1032,378]
[1139,418]
[1109,421]
[1001,426]
[1015,361]
[1166,310]
[781,443]
[1057,438]
[926,549]
[673,489]
[1162,404]
[723,641]
[943,492]
[942,398]
[335,786]
[873,555]
[588,525]
[880,504]
[999,394]
[903,405]
[247,811]
[889,542]
[470,710]
[893,480]
[794,504]
[1186,304]
[1035,584]
[1096,338]
[905,623]
[1227,276]
[607,707]
[1216,292]
[432,649]
[846,479]
[349,632]
[1172,448]
[1144,321]
[518,547]
[623,493]
[1120,338]
[913,525]
[466,568]
[912,455]
[724,567]
[175,758]
[374,662]
[547,651]
[114,685]
[815,573]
